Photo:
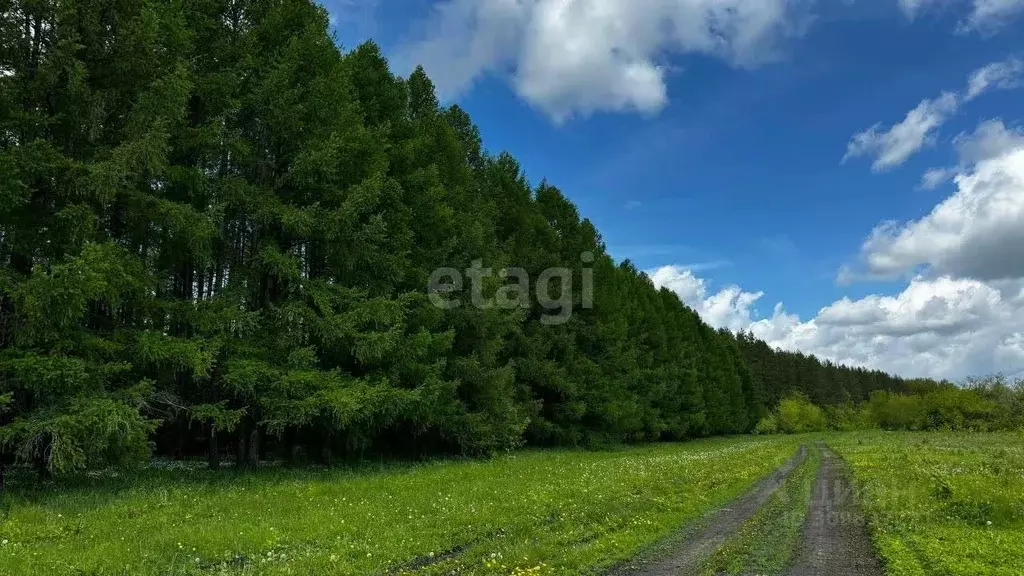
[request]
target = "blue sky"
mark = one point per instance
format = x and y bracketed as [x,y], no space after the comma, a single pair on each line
[724,157]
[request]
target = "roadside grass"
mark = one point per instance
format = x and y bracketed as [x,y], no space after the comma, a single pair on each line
[941,503]
[767,542]
[534,512]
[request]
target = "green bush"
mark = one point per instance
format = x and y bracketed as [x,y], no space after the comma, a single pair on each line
[795,414]
[897,411]
[987,404]
[1007,396]
[946,407]
[768,425]
[848,417]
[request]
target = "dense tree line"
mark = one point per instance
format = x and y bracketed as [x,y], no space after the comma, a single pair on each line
[216,236]
[825,383]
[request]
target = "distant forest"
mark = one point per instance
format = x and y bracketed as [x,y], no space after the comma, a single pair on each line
[216,234]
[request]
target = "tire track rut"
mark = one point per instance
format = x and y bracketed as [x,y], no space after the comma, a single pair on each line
[697,543]
[835,538]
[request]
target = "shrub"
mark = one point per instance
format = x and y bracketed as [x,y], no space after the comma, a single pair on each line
[946,407]
[848,417]
[768,425]
[795,414]
[897,411]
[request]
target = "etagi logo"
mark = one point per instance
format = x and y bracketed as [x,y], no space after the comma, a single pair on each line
[445,283]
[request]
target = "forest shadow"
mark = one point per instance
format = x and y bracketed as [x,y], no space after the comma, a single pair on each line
[24,487]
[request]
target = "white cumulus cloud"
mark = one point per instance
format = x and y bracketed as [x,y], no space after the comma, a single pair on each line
[978,232]
[1001,75]
[894,145]
[891,147]
[729,308]
[575,57]
[961,311]
[990,139]
[989,15]
[982,15]
[911,8]
[940,327]
[935,177]
[464,39]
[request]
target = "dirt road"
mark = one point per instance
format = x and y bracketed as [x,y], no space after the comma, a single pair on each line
[836,539]
[686,554]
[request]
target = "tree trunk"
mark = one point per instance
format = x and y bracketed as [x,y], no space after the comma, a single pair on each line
[41,469]
[214,448]
[327,452]
[291,447]
[248,455]
[242,455]
[179,442]
[254,445]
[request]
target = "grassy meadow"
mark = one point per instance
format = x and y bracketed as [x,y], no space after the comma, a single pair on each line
[941,503]
[938,504]
[535,512]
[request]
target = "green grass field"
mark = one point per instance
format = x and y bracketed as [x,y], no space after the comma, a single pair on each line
[942,503]
[938,504]
[526,513]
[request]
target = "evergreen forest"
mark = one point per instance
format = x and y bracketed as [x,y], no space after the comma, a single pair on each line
[217,231]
